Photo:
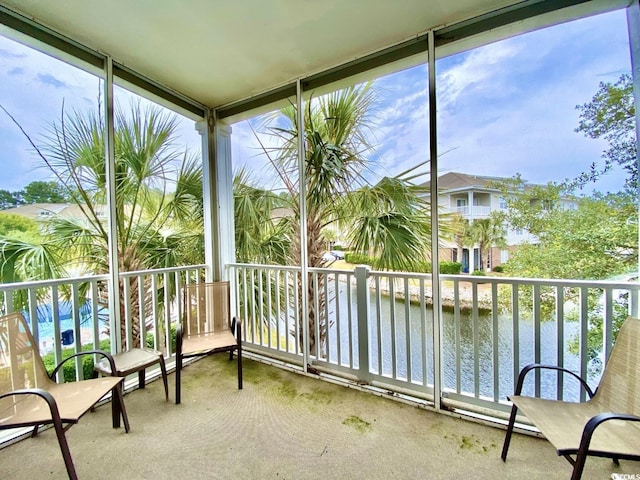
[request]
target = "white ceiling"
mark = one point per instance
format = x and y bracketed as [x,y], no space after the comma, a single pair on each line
[219,51]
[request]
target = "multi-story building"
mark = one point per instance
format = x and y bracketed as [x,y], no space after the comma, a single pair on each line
[475,197]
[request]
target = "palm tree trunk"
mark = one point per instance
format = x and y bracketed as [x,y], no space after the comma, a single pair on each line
[315,294]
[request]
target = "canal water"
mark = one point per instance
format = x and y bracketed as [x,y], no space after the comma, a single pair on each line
[468,351]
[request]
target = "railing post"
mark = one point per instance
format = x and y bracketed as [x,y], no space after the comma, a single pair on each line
[363,301]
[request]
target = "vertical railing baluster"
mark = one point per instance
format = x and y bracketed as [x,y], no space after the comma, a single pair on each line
[352,359]
[457,339]
[336,296]
[515,311]
[261,314]
[584,336]
[166,328]
[288,329]
[560,340]
[423,333]
[392,312]
[127,312]
[407,323]
[325,288]
[536,336]
[95,315]
[269,310]
[608,323]
[77,340]
[363,298]
[57,334]
[278,315]
[378,324]
[476,339]
[496,342]
[154,307]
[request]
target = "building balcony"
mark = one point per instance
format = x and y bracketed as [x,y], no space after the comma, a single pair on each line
[476,211]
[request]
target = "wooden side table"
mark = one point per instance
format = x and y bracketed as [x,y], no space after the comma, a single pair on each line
[135,360]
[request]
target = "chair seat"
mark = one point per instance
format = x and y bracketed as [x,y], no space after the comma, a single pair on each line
[129,361]
[562,423]
[73,401]
[205,342]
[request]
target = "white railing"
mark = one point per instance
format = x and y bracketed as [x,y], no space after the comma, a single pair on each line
[476,211]
[490,328]
[72,313]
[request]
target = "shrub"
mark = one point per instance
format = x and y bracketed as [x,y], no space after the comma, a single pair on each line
[69,368]
[172,336]
[338,247]
[498,269]
[359,259]
[479,273]
[450,268]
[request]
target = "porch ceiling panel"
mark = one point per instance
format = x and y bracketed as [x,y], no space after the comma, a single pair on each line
[217,52]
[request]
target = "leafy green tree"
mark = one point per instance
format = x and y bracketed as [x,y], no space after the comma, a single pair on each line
[7,199]
[17,226]
[611,115]
[155,229]
[389,219]
[43,192]
[596,240]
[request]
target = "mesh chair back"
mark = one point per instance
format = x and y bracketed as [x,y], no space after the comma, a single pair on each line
[206,308]
[20,362]
[619,389]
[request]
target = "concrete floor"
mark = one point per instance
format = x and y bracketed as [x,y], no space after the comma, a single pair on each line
[281,426]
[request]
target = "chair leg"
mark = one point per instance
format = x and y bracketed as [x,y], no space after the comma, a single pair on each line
[178,372]
[163,369]
[121,408]
[578,466]
[64,448]
[507,438]
[239,340]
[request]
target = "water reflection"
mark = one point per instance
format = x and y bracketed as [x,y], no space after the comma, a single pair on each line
[470,363]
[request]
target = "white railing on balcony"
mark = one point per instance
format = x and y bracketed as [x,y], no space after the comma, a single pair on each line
[476,211]
[379,326]
[73,313]
[490,328]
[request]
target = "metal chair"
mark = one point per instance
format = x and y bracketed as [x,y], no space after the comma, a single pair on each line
[207,326]
[607,425]
[29,397]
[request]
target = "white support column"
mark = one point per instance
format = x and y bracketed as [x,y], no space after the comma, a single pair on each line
[225,227]
[217,179]
[114,269]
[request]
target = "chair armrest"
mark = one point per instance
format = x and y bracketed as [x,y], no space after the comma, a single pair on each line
[540,366]
[108,356]
[46,396]
[596,421]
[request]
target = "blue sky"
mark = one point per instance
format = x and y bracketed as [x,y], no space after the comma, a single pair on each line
[503,109]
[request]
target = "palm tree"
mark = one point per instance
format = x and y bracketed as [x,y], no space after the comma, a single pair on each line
[154,228]
[487,232]
[389,219]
